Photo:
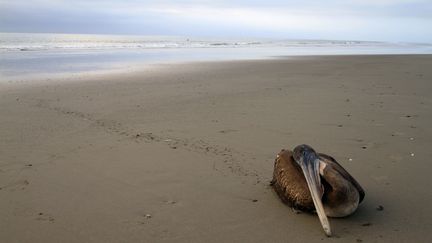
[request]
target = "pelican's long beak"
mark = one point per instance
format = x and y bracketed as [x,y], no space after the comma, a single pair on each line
[311,173]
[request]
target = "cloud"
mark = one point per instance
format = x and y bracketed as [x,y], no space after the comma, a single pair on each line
[334,19]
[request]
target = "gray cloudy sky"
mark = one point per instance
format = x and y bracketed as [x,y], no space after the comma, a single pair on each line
[387,20]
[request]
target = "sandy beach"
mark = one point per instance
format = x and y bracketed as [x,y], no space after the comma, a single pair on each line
[184,152]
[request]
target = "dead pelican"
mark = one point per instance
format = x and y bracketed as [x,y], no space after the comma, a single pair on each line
[311,181]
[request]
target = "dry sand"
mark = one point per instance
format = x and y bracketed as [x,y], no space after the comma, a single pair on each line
[184,152]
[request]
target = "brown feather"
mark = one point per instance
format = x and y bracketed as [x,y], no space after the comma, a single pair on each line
[342,193]
[290,184]
[330,161]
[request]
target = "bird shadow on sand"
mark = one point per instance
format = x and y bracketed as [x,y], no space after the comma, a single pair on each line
[369,214]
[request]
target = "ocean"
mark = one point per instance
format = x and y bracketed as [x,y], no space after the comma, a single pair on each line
[24,55]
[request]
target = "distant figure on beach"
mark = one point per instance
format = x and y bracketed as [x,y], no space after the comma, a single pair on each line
[311,181]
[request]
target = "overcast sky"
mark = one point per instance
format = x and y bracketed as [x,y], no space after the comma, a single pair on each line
[385,20]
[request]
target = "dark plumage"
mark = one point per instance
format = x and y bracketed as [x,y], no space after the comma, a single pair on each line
[337,192]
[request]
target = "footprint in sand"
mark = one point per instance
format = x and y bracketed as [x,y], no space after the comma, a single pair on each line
[20,184]
[227,131]
[45,217]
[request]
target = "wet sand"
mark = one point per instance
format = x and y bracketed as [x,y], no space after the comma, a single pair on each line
[184,152]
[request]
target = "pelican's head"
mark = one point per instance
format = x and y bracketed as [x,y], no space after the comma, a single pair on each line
[303,153]
[306,157]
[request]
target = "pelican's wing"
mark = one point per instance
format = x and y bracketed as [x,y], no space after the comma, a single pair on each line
[332,162]
[290,183]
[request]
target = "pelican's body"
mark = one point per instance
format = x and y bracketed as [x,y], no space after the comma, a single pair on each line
[310,181]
